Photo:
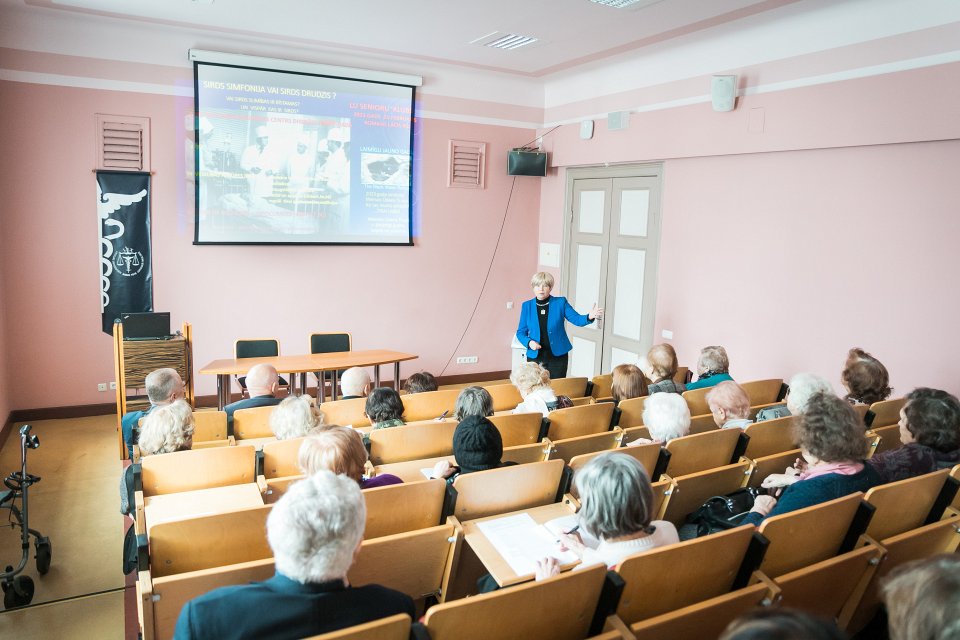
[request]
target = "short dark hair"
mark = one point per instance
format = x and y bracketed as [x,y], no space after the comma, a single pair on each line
[933,417]
[776,623]
[383,403]
[420,382]
[831,430]
[865,377]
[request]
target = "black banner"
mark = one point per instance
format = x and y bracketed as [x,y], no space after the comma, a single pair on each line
[126,277]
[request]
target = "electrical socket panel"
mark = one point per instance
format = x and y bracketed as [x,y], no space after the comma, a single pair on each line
[467,360]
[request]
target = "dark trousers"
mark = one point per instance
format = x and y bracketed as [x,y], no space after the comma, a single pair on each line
[556,365]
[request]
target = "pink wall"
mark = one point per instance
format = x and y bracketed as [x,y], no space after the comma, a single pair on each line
[415,299]
[5,397]
[834,227]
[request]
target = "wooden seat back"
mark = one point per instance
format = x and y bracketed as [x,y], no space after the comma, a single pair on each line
[632,434]
[280,458]
[705,619]
[702,451]
[276,487]
[429,405]
[886,412]
[567,449]
[209,541]
[631,412]
[770,437]
[776,463]
[570,387]
[579,402]
[702,424]
[525,453]
[955,474]
[580,421]
[830,587]
[346,412]
[903,505]
[393,628]
[691,491]
[602,386]
[763,391]
[521,611]
[410,471]
[678,575]
[412,442]
[647,454]
[413,562]
[682,376]
[806,536]
[252,423]
[209,426]
[889,438]
[697,400]
[487,493]
[518,428]
[200,469]
[861,410]
[505,396]
[398,508]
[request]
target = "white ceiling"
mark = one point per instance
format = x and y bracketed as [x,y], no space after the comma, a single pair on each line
[570,32]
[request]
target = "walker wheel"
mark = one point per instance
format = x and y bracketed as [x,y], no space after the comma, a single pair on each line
[19,593]
[44,554]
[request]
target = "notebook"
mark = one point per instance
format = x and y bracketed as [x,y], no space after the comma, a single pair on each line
[146,326]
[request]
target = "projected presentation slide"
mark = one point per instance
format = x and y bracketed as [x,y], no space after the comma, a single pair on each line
[292,158]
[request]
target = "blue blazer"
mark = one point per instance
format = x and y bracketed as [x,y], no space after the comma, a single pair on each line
[529,328]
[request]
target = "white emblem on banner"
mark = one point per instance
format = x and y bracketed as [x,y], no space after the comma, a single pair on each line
[108,203]
[128,261]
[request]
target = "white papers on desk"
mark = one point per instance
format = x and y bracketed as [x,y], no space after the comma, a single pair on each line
[521,542]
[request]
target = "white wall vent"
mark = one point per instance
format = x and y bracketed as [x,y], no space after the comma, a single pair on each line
[466,167]
[123,143]
[504,40]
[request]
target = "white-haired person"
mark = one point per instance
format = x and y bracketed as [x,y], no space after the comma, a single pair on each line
[666,416]
[473,401]
[340,450]
[730,405]
[802,387]
[541,330]
[296,416]
[355,383]
[713,367]
[660,365]
[533,382]
[165,429]
[616,508]
[262,383]
[163,387]
[315,531]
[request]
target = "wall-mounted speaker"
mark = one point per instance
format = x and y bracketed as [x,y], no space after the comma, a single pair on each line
[724,93]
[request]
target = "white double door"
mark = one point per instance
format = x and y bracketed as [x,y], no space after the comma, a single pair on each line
[611,253]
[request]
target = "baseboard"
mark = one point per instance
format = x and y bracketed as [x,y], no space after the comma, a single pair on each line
[6,429]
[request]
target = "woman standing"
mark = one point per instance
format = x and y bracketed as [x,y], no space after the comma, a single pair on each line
[541,328]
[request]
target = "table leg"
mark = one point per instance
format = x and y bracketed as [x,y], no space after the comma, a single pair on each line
[335,384]
[220,391]
[376,376]
[396,375]
[303,382]
[321,391]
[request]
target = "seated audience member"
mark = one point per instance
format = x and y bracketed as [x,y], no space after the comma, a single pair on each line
[164,386]
[165,429]
[477,446]
[930,433]
[662,363]
[533,383]
[384,408]
[295,417]
[628,382]
[616,508]
[420,382]
[473,401]
[340,450]
[315,531]
[355,383]
[262,384]
[666,416]
[729,405]
[713,367]
[923,599]
[776,623]
[801,388]
[832,441]
[865,378]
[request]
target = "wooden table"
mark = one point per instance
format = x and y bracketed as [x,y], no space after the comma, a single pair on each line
[305,364]
[499,569]
[190,504]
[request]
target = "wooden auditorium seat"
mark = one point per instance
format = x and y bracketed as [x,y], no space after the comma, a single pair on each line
[570,387]
[580,421]
[345,412]
[505,396]
[702,451]
[429,405]
[280,458]
[525,453]
[889,438]
[763,391]
[909,504]
[201,469]
[702,424]
[647,454]
[886,412]
[770,437]
[427,439]
[602,387]
[632,434]
[252,423]
[697,400]
[691,491]
[569,448]
[410,471]
[399,508]
[518,428]
[631,412]
[776,463]
[393,628]
[487,493]
[209,427]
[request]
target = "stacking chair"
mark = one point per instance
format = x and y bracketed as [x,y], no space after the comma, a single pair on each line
[252,423]
[505,396]
[256,348]
[518,428]
[279,458]
[908,504]
[631,412]
[328,343]
[209,429]
[570,387]
[487,493]
[429,405]
[703,451]
[567,449]
[580,421]
[770,437]
[412,442]
[393,628]
[690,491]
[563,607]
[886,412]
[805,536]
[678,575]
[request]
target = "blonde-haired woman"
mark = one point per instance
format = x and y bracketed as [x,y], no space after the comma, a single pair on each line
[296,416]
[542,330]
[533,383]
[340,450]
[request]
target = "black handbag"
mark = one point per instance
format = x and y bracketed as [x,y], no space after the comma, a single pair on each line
[719,513]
